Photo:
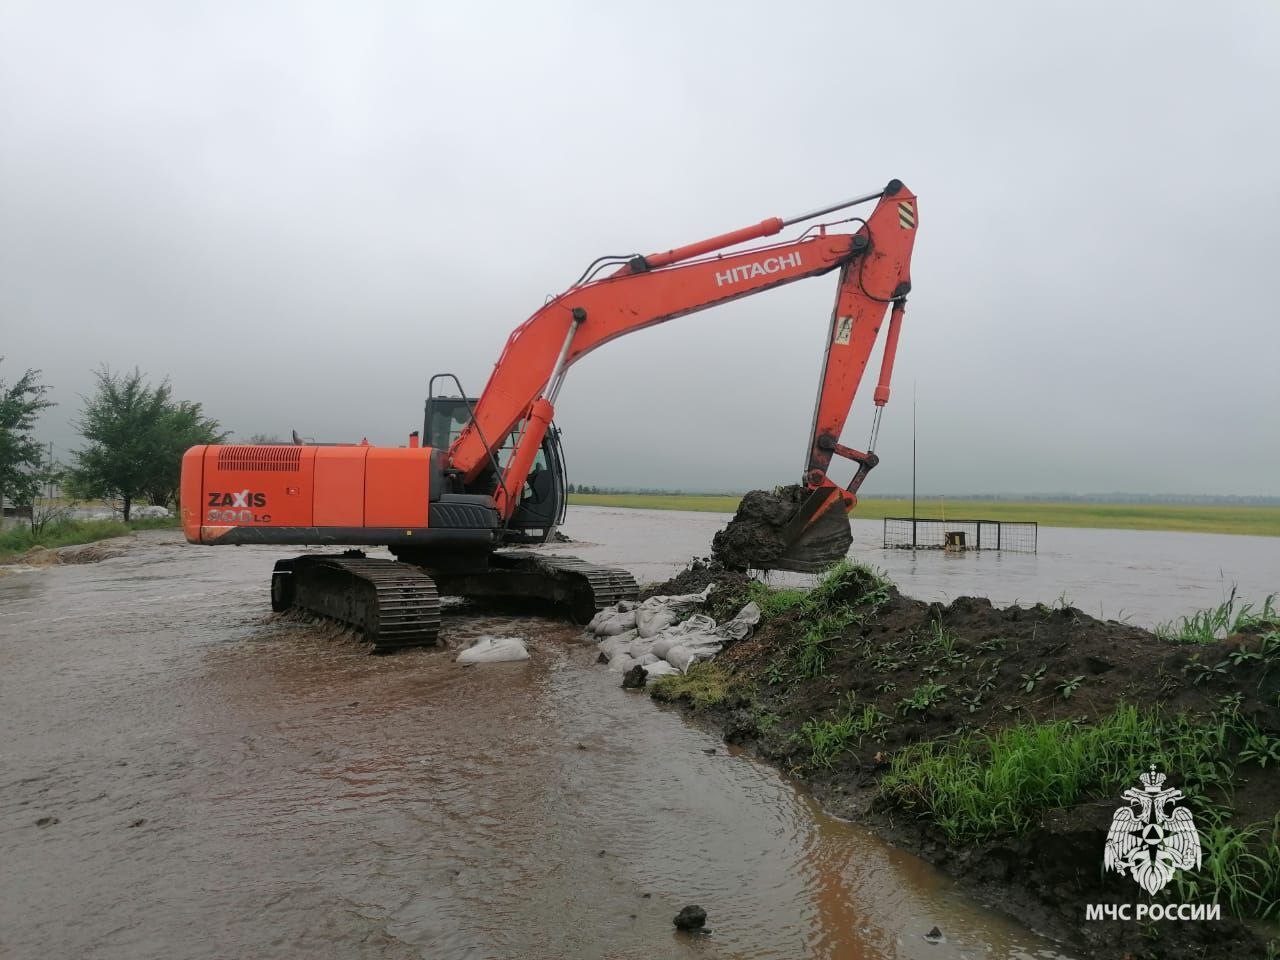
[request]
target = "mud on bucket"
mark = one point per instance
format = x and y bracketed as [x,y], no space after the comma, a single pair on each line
[776,530]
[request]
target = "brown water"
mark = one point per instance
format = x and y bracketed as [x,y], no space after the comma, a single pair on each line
[227,785]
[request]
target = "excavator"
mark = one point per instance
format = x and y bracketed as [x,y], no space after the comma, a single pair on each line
[460,504]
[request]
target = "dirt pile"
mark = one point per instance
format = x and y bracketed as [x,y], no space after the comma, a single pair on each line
[939,670]
[755,539]
[94,552]
[839,685]
[725,600]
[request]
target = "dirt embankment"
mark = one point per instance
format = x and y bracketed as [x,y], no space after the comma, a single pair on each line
[905,715]
[93,552]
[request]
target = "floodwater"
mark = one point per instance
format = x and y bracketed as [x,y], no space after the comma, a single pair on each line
[1143,577]
[185,776]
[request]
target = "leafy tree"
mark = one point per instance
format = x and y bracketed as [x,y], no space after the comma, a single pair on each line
[137,434]
[22,458]
[182,426]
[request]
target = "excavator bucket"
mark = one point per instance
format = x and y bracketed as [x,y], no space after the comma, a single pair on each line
[818,535]
[789,528]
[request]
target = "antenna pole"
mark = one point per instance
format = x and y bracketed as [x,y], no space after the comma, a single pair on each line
[913,465]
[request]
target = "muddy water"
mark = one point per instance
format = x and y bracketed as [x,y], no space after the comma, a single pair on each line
[1143,577]
[225,784]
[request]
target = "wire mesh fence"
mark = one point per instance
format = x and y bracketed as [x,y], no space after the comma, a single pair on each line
[927,533]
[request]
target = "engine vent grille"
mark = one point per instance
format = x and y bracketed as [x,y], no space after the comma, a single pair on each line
[263,459]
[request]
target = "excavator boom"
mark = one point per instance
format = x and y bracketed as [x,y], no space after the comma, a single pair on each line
[488,472]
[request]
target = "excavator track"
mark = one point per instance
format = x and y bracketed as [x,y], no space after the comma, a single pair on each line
[393,605]
[575,586]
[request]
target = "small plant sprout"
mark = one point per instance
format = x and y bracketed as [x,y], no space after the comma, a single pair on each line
[1069,686]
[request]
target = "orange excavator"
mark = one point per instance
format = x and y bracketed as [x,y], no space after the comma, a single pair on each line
[488,473]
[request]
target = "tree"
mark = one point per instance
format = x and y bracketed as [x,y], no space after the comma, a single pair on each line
[137,434]
[182,426]
[22,458]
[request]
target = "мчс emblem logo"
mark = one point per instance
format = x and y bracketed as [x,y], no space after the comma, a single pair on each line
[1152,839]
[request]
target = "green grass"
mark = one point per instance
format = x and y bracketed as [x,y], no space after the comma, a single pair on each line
[19,539]
[846,594]
[705,684]
[976,787]
[1217,623]
[827,739]
[1251,521]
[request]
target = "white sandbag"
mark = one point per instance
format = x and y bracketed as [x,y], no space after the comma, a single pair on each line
[640,647]
[685,654]
[619,622]
[494,650]
[621,643]
[658,613]
[740,627]
[697,627]
[621,613]
[649,634]
[659,669]
[622,663]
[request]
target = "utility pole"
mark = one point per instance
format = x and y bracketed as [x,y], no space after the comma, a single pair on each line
[913,465]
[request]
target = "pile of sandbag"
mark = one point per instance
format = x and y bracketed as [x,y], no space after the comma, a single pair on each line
[664,634]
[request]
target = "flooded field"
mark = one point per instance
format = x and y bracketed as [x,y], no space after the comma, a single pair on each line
[186,777]
[1141,576]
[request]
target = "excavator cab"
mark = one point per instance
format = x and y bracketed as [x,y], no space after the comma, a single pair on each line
[543,498]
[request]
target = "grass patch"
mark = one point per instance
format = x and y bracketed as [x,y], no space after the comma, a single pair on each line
[1217,623]
[827,739]
[20,539]
[1192,518]
[705,684]
[978,787]
[846,594]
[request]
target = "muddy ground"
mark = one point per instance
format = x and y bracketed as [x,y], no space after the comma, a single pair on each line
[187,776]
[971,668]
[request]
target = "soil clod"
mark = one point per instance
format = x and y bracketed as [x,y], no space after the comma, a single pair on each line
[692,917]
[757,536]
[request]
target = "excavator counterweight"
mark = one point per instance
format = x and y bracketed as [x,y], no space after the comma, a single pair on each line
[487,474]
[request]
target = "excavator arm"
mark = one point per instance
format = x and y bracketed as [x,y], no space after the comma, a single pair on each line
[438,510]
[874,265]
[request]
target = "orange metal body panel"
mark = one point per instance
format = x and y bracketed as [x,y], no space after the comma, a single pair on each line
[339,487]
[257,486]
[397,486]
[191,492]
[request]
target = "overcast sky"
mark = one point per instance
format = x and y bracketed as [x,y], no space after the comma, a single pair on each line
[299,212]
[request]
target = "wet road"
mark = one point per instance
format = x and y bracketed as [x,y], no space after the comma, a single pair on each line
[217,783]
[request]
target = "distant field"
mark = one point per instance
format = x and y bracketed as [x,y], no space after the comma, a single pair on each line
[1251,521]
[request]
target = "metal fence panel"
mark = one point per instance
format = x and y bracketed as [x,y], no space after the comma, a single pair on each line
[931,533]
